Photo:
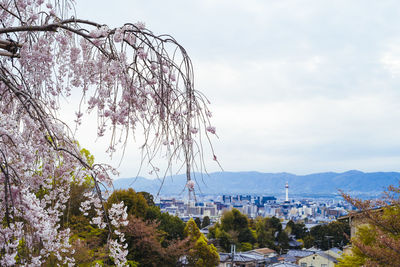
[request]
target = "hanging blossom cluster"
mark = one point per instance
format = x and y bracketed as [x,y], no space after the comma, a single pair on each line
[128,76]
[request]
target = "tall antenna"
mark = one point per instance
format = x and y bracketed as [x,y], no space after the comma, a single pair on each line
[287,192]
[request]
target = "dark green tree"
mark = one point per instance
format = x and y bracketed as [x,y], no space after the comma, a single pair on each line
[246,236]
[136,203]
[269,233]
[149,198]
[265,235]
[225,240]
[283,240]
[172,226]
[330,235]
[298,229]
[206,222]
[152,213]
[273,223]
[308,241]
[234,220]
[198,222]
[233,229]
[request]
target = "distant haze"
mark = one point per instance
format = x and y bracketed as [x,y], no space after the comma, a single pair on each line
[354,182]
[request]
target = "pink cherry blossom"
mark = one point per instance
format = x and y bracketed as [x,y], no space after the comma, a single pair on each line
[211,129]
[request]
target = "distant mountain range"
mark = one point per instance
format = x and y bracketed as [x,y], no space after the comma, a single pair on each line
[328,183]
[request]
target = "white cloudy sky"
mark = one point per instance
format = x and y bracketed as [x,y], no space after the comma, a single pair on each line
[295,86]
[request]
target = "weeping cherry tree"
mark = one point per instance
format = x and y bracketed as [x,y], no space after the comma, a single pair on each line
[128,77]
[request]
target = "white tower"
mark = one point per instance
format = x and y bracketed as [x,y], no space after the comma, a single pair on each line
[287,192]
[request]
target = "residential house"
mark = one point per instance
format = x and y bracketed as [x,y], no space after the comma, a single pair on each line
[320,259]
[334,252]
[298,254]
[266,252]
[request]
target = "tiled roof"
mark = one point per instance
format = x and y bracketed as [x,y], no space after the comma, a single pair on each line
[240,257]
[300,253]
[329,257]
[264,251]
[284,264]
[288,258]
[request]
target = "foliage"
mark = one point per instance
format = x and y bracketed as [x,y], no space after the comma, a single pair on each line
[273,223]
[334,234]
[225,239]
[267,232]
[283,240]
[265,235]
[173,226]
[237,225]
[205,222]
[245,246]
[125,76]
[198,222]
[236,228]
[149,243]
[135,203]
[270,234]
[144,244]
[152,213]
[149,198]
[192,231]
[298,229]
[201,254]
[234,220]
[377,240]
[308,241]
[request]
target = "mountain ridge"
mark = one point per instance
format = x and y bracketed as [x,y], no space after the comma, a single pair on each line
[253,182]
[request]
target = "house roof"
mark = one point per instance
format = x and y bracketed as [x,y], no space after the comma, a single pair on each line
[240,257]
[313,249]
[263,251]
[328,257]
[271,260]
[284,264]
[324,255]
[300,253]
[223,257]
[288,258]
[336,250]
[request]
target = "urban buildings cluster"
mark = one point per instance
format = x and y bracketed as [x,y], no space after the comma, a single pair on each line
[309,210]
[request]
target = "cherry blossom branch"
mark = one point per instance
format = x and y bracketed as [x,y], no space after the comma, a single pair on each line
[129,76]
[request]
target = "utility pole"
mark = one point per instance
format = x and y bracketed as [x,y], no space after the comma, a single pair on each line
[233,250]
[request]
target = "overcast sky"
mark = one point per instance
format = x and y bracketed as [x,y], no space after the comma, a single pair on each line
[295,86]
